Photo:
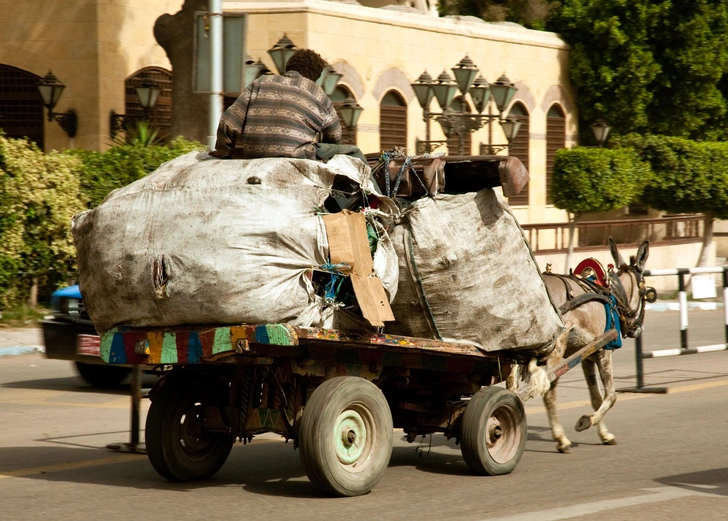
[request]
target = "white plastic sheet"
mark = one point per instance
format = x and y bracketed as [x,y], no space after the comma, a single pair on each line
[209,241]
[468,275]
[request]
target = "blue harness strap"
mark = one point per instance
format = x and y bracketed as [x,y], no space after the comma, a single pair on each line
[610,309]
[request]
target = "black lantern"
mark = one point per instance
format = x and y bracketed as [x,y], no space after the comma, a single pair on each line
[281,52]
[50,89]
[601,131]
[465,72]
[148,93]
[350,112]
[502,91]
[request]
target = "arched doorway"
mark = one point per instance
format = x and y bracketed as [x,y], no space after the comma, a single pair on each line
[519,148]
[160,117]
[21,108]
[555,140]
[348,136]
[392,121]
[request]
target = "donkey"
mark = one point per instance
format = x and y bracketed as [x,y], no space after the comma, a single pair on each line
[585,319]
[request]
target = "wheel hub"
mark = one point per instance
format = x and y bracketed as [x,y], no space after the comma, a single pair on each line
[351,436]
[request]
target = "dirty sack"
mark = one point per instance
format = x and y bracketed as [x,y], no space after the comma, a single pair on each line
[209,241]
[468,275]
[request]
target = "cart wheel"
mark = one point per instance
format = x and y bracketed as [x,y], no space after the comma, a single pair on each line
[346,436]
[493,432]
[178,446]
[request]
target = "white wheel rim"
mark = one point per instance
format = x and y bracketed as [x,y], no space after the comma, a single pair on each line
[503,434]
[353,437]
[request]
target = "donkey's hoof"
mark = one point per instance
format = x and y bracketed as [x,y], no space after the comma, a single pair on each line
[583,424]
[609,441]
[564,448]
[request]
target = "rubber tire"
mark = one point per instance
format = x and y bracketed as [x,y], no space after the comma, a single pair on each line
[165,435]
[318,442]
[487,406]
[100,375]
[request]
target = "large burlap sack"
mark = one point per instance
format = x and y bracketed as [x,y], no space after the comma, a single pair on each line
[209,241]
[468,275]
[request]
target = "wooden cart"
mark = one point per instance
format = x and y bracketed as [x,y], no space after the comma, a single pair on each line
[337,395]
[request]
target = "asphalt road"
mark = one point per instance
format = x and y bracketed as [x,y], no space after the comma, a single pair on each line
[671,461]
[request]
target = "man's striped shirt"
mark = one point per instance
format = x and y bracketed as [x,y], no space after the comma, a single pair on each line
[278,116]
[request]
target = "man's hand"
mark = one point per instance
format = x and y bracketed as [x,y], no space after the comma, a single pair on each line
[219,154]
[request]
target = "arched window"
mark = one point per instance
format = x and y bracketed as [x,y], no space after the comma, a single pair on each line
[160,116]
[21,108]
[348,136]
[453,142]
[519,148]
[392,121]
[555,140]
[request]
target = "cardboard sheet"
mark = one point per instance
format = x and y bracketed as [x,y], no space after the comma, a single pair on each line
[348,244]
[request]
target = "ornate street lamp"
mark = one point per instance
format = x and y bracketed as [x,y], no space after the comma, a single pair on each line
[601,131]
[480,92]
[329,79]
[510,126]
[502,91]
[444,89]
[281,52]
[423,90]
[350,112]
[50,89]
[465,72]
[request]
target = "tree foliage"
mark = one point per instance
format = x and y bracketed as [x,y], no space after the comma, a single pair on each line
[649,66]
[590,180]
[529,13]
[39,193]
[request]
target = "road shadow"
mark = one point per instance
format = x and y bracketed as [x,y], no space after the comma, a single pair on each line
[74,384]
[714,481]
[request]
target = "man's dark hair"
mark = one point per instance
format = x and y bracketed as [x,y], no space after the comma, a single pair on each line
[307,63]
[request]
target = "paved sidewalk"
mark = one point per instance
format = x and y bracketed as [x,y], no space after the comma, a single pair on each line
[18,341]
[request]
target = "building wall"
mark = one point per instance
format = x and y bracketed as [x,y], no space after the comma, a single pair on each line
[92,46]
[380,49]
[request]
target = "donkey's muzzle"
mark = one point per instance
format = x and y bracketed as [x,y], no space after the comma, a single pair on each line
[634,333]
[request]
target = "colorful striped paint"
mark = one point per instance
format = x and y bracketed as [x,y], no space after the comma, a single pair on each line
[126,346]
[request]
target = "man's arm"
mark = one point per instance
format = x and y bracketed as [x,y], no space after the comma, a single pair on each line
[231,125]
[331,131]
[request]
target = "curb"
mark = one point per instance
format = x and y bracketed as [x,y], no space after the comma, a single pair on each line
[20,350]
[675,306]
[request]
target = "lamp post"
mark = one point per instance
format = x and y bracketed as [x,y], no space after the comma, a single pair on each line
[148,93]
[50,89]
[469,81]
[350,112]
[601,131]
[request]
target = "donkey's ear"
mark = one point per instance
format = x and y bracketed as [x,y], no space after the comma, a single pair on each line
[618,260]
[642,253]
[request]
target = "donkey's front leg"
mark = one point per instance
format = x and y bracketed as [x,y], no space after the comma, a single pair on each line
[557,430]
[590,374]
[604,361]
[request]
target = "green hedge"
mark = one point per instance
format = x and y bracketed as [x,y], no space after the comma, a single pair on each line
[589,180]
[688,176]
[40,193]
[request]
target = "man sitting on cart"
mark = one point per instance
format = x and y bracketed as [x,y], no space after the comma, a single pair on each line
[284,116]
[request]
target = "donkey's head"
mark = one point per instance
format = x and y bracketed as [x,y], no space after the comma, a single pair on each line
[628,286]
